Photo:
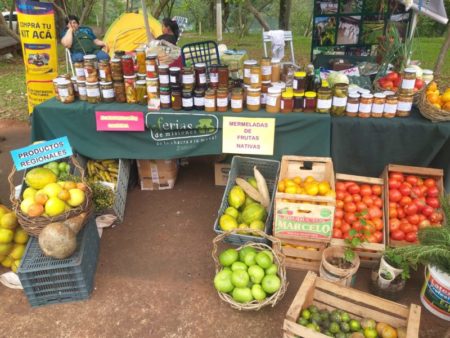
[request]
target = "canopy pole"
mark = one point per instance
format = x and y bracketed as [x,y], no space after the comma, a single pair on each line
[219,19]
[150,37]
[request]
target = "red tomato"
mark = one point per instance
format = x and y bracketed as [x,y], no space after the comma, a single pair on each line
[353,188]
[347,184]
[346,235]
[366,190]
[367,200]
[422,217]
[406,227]
[393,212]
[411,237]
[386,84]
[393,76]
[393,183]
[340,186]
[405,189]
[350,207]
[340,204]
[349,217]
[413,219]
[378,202]
[337,223]
[357,225]
[378,223]
[416,192]
[414,228]
[398,235]
[433,202]
[345,227]
[412,179]
[375,212]
[410,209]
[340,194]
[394,195]
[423,189]
[420,203]
[372,239]
[397,176]
[337,233]
[427,210]
[394,224]
[432,192]
[435,217]
[360,206]
[419,84]
[338,213]
[376,189]
[392,205]
[400,213]
[429,182]
[405,200]
[369,228]
[378,236]
[356,198]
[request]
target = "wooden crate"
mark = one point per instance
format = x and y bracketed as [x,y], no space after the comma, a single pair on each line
[303,255]
[324,294]
[437,174]
[369,253]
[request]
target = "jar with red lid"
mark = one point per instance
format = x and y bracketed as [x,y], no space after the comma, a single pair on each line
[127,65]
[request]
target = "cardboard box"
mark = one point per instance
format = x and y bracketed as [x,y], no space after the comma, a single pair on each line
[157,174]
[221,170]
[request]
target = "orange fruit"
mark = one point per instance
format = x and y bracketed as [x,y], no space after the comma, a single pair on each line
[40,198]
[432,86]
[446,96]
[432,98]
[81,186]
[446,106]
[437,105]
[309,179]
[298,180]
[35,210]
[281,186]
[64,195]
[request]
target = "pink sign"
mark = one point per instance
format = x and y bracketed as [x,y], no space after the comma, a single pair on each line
[119,121]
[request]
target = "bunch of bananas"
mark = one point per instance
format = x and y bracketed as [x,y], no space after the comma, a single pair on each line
[103,170]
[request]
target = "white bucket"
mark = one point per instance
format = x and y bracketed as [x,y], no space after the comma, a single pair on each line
[435,293]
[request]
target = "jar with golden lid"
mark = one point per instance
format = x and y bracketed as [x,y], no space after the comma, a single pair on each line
[340,94]
[390,106]
[255,76]
[79,71]
[130,88]
[253,99]
[379,100]
[276,70]
[210,100]
[365,105]
[352,107]
[82,90]
[165,97]
[408,81]
[273,102]
[324,100]
[119,91]
[299,82]
[163,74]
[93,92]
[104,71]
[116,70]
[140,60]
[299,101]
[287,101]
[404,105]
[107,91]
[65,91]
[237,99]
[310,102]
[141,92]
[266,70]
[248,64]
[151,65]
[222,100]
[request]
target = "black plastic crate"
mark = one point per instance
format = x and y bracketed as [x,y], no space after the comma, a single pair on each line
[46,280]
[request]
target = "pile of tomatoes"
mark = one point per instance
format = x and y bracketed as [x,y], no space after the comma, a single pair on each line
[413,205]
[358,207]
[393,81]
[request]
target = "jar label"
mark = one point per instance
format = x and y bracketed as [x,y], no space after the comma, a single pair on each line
[377,108]
[154,104]
[352,107]
[102,73]
[254,78]
[404,106]
[82,91]
[210,103]
[247,72]
[187,102]
[165,99]
[79,72]
[163,79]
[266,70]
[390,108]
[253,100]
[263,98]
[173,79]
[323,104]
[408,84]
[339,101]
[108,93]
[365,107]
[222,102]
[271,101]
[202,78]
[93,92]
[152,89]
[150,68]
[199,101]
[214,77]
[63,92]
[188,78]
[282,104]
[236,104]
[295,84]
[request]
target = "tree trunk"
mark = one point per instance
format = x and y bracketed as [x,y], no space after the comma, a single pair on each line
[443,52]
[103,16]
[5,29]
[258,15]
[159,9]
[11,11]
[226,13]
[86,11]
[285,10]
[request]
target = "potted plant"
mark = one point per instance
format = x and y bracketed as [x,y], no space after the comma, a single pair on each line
[392,272]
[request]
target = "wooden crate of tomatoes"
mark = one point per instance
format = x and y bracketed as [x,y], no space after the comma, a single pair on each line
[360,212]
[412,201]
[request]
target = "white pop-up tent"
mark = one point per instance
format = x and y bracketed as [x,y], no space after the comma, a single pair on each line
[434,9]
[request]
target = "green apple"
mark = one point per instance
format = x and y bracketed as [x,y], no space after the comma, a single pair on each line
[239,278]
[250,258]
[244,251]
[272,270]
[239,266]
[258,292]
[228,257]
[256,273]
[242,295]
[263,260]
[271,283]
[222,281]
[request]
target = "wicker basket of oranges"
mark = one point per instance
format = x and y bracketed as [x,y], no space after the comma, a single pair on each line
[434,103]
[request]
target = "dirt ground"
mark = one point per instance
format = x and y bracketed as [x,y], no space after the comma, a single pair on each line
[155,271]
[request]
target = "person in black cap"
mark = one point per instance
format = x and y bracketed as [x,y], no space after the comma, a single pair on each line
[170,31]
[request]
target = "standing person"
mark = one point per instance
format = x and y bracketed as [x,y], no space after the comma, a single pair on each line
[170,31]
[81,40]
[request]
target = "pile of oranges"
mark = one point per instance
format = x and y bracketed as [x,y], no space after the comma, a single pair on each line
[437,99]
[307,186]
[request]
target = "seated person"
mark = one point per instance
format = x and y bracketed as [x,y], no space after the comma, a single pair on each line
[81,41]
[170,31]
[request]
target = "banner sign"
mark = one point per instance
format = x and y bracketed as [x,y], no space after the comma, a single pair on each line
[41,153]
[119,121]
[36,21]
[243,135]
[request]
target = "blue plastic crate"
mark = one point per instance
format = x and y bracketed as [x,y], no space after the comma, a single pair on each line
[46,280]
[243,167]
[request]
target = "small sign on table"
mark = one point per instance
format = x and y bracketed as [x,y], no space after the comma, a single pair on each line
[119,121]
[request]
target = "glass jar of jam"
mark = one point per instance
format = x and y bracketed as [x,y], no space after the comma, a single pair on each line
[253,99]
[163,74]
[223,76]
[340,93]
[222,100]
[90,69]
[404,105]
[365,105]
[276,70]
[140,76]
[151,65]
[266,70]
[352,106]
[141,92]
[390,106]
[127,65]
[299,101]
[93,92]
[82,94]
[273,101]
[104,71]
[79,71]
[299,83]
[92,59]
[287,101]
[152,86]
[187,78]
[65,91]
[408,81]
[255,76]
[264,87]
[116,70]
[107,91]
[237,98]
[130,88]
[324,100]
[175,76]
[310,102]
[210,100]
[379,100]
[119,91]
[214,76]
[140,60]
[199,99]
[200,74]
[176,99]
[165,97]
[187,101]
[248,64]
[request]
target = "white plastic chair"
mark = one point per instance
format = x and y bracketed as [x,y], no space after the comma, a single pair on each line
[288,38]
[69,62]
